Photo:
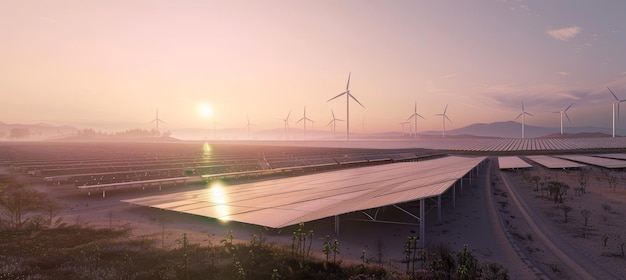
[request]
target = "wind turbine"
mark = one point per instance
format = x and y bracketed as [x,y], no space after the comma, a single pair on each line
[157,120]
[564,112]
[248,125]
[286,121]
[616,102]
[522,114]
[215,123]
[443,117]
[414,117]
[305,119]
[348,96]
[333,121]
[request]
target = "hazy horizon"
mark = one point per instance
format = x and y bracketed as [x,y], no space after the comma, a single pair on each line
[111,65]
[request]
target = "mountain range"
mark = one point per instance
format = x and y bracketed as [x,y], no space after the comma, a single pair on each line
[508,129]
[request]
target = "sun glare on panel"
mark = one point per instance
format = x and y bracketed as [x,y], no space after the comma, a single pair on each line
[206,150]
[218,196]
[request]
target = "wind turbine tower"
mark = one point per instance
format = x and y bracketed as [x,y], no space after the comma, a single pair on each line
[348,96]
[305,119]
[522,114]
[248,125]
[414,117]
[157,121]
[286,121]
[615,103]
[564,112]
[443,117]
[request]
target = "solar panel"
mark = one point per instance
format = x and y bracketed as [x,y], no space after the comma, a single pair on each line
[288,201]
[552,162]
[512,162]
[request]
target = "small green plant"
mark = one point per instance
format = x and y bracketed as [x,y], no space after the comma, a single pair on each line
[275,274]
[335,249]
[327,247]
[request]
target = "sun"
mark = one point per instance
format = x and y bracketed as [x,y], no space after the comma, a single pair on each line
[205,110]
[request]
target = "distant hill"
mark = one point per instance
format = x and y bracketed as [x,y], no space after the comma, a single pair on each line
[40,131]
[511,129]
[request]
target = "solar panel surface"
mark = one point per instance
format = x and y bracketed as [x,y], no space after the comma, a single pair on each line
[288,201]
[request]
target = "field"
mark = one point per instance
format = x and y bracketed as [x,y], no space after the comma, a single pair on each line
[497,233]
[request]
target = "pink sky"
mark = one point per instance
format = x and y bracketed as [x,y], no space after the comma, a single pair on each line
[111,64]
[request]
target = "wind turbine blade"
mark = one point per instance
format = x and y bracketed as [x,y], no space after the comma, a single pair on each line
[348,85]
[570,106]
[411,117]
[330,122]
[445,116]
[520,114]
[337,96]
[522,105]
[445,110]
[339,120]
[357,101]
[419,116]
[287,119]
[570,121]
[529,114]
[614,96]
[332,112]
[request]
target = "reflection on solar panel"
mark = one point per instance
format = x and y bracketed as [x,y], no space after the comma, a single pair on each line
[512,162]
[603,162]
[552,162]
[288,201]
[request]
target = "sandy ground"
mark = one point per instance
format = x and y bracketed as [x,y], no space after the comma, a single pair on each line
[498,215]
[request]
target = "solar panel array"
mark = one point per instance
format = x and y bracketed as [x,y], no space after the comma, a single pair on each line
[519,144]
[597,161]
[512,162]
[553,162]
[103,165]
[288,201]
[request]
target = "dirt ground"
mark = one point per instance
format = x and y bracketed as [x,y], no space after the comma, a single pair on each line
[483,215]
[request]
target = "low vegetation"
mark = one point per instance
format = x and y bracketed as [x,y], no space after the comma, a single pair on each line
[35,244]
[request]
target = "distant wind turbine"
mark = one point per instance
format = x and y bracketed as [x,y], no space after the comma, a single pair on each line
[616,102]
[286,121]
[348,96]
[333,121]
[157,121]
[564,112]
[305,119]
[522,114]
[215,124]
[248,125]
[444,117]
[414,117]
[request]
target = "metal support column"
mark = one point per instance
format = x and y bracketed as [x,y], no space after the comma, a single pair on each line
[422,222]
[439,208]
[454,195]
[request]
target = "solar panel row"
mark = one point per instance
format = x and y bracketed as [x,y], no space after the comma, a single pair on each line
[288,201]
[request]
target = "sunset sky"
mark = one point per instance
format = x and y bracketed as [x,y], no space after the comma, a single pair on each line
[110,64]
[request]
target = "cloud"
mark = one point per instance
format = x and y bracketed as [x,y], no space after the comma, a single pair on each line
[562,73]
[448,76]
[564,34]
